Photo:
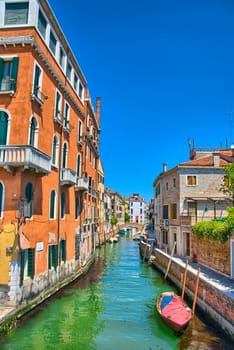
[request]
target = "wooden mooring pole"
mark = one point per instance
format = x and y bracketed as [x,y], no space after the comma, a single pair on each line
[195,293]
[169,262]
[184,280]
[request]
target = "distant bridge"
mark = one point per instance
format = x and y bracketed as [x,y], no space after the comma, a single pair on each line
[131,224]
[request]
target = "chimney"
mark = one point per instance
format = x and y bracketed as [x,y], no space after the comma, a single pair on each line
[216,157]
[98,108]
[164,167]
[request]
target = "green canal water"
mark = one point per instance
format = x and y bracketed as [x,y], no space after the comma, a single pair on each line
[112,307]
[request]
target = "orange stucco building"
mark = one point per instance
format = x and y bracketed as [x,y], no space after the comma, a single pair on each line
[49,150]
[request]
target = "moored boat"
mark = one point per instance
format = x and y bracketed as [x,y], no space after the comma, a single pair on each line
[173,310]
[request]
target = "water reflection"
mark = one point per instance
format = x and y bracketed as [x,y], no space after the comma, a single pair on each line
[112,307]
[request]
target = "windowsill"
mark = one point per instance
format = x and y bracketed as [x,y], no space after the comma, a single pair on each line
[9,92]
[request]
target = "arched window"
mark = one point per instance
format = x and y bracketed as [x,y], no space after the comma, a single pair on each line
[55,150]
[78,205]
[63,205]
[52,204]
[64,156]
[33,132]
[28,200]
[1,199]
[3,127]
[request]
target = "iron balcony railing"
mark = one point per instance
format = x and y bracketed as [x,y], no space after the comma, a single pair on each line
[24,156]
[7,86]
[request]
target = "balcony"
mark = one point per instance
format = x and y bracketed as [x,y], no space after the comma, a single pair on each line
[82,184]
[67,177]
[25,156]
[38,95]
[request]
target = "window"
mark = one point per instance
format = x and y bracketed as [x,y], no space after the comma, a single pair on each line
[69,69]
[174,182]
[28,200]
[78,205]
[63,250]
[80,91]
[191,180]
[27,264]
[37,83]
[33,132]
[79,131]
[78,166]
[3,127]
[1,199]
[16,13]
[165,212]
[52,256]
[52,204]
[8,73]
[66,115]
[173,211]
[42,24]
[167,186]
[61,57]
[64,156]
[75,82]
[52,43]
[55,151]
[58,106]
[63,205]
[192,208]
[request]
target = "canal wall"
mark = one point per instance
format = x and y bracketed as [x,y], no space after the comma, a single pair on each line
[213,299]
[9,318]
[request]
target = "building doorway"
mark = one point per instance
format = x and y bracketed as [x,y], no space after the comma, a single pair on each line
[186,243]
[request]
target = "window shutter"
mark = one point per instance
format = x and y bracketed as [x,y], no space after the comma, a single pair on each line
[55,256]
[31,262]
[22,254]
[14,72]
[3,127]
[49,257]
[63,249]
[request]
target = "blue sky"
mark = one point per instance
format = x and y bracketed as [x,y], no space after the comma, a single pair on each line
[164,70]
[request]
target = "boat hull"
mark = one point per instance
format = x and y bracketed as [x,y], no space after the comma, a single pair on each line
[173,311]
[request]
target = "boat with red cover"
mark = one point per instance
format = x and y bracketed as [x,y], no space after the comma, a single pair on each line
[173,310]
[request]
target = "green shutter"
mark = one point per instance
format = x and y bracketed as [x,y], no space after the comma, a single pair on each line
[3,127]
[22,255]
[52,203]
[31,262]
[63,249]
[55,256]
[49,257]
[14,72]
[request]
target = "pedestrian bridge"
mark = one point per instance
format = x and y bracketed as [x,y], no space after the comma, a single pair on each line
[139,227]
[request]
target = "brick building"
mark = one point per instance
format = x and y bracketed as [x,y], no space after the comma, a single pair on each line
[49,148]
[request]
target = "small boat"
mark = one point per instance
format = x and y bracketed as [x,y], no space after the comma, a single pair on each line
[173,310]
[114,239]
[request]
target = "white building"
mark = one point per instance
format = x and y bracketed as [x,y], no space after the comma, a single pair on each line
[137,209]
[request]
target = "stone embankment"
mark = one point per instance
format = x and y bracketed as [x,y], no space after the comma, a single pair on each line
[215,297]
[10,314]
